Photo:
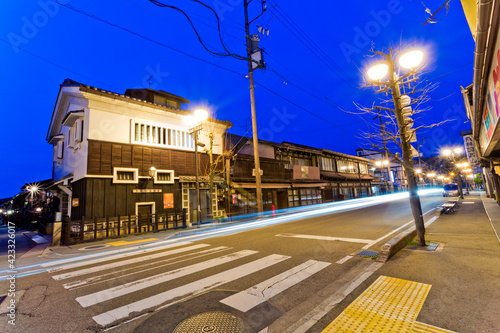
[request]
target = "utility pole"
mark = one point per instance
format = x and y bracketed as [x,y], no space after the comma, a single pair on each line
[258,186]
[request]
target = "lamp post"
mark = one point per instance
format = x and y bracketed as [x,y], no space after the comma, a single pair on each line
[386,164]
[195,123]
[453,154]
[33,190]
[410,60]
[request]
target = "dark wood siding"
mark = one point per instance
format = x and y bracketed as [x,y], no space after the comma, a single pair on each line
[99,197]
[104,156]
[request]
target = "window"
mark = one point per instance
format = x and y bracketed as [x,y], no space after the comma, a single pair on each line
[326,163]
[161,136]
[347,166]
[304,197]
[125,176]
[164,177]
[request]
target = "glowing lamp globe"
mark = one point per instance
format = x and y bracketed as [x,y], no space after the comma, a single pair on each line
[411,59]
[378,72]
[200,115]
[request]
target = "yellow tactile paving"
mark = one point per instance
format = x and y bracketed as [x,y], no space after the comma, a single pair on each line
[388,305]
[120,243]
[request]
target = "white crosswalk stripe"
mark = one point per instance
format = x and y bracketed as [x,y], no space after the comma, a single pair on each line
[125,262]
[202,260]
[262,292]
[131,287]
[189,289]
[144,267]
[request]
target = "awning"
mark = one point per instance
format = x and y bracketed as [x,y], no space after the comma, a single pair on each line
[331,175]
[262,185]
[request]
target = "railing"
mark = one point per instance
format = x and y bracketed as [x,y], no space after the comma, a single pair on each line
[86,230]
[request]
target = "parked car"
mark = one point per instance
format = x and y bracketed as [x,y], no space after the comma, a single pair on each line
[450,190]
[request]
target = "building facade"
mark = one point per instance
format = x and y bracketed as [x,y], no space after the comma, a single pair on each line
[105,145]
[482,97]
[294,175]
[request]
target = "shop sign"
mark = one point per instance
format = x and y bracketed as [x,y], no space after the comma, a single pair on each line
[168,200]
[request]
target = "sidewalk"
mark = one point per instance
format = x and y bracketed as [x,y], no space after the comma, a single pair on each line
[453,288]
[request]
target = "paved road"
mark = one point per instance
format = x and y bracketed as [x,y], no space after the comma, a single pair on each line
[271,279]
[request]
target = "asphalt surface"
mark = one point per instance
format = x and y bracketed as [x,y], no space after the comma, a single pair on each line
[50,305]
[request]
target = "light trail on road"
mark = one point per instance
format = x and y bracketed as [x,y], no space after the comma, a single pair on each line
[267,219]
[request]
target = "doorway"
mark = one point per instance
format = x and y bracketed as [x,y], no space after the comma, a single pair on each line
[204,206]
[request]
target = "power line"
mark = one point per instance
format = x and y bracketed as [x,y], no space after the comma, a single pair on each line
[200,59]
[320,54]
[143,37]
[228,53]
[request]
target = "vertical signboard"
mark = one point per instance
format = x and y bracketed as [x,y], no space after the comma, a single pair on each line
[168,200]
[491,108]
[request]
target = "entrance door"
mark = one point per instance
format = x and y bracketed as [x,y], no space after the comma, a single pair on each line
[142,210]
[204,203]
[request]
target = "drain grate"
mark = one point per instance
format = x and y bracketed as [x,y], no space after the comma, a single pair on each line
[432,247]
[366,253]
[211,322]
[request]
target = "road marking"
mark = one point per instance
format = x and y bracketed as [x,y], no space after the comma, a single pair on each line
[367,246]
[468,202]
[125,262]
[189,289]
[311,318]
[260,293]
[109,255]
[327,238]
[121,243]
[343,260]
[120,274]
[127,288]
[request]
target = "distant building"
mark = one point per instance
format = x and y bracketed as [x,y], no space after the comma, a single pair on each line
[105,143]
[294,175]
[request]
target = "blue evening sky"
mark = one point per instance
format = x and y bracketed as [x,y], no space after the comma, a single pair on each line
[116,45]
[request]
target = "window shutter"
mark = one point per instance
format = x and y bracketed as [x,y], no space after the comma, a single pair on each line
[60,146]
[71,140]
[79,130]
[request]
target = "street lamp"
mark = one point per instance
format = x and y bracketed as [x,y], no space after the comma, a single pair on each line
[33,189]
[454,154]
[385,164]
[392,85]
[195,123]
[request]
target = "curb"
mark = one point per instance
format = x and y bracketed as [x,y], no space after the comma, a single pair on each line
[396,244]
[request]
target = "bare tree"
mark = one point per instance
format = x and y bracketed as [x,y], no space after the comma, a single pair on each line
[399,114]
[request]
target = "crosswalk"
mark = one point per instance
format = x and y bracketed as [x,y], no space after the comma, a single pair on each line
[122,286]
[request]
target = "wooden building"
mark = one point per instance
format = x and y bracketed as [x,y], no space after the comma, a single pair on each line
[106,143]
[294,175]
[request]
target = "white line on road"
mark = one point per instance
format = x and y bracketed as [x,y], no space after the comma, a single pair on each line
[321,310]
[189,289]
[126,262]
[327,238]
[343,260]
[107,257]
[367,246]
[120,274]
[127,288]
[260,293]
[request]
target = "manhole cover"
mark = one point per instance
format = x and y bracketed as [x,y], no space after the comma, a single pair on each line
[211,322]
[365,253]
